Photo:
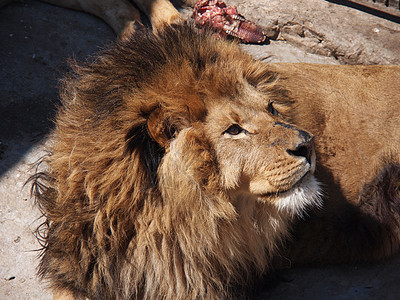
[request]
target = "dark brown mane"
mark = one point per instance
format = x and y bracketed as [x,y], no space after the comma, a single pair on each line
[118,114]
[147,61]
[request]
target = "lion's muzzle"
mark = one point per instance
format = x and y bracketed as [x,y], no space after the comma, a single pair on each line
[305,147]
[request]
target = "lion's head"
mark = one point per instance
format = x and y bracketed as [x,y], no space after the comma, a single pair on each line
[175,170]
[252,150]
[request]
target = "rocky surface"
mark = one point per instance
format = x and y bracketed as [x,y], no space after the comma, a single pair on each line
[321,27]
[36,41]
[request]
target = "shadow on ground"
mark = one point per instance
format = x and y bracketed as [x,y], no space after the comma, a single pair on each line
[33,54]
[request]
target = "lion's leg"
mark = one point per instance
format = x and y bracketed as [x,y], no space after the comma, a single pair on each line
[160,12]
[119,14]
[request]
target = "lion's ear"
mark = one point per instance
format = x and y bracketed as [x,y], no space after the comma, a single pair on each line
[150,140]
[150,152]
[159,129]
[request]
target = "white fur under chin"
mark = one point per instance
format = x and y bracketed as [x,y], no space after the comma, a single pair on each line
[307,194]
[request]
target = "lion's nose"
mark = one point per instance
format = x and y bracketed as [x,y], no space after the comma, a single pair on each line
[305,147]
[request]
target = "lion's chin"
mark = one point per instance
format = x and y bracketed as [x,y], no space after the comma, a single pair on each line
[306,193]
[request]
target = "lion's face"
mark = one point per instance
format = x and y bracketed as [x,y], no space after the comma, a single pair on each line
[255,151]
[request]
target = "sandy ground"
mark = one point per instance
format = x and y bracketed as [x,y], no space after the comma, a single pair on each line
[36,41]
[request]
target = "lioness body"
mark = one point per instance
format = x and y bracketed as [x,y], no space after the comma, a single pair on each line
[354,113]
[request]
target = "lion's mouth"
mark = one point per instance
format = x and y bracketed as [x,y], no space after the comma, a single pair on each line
[302,195]
[281,191]
[291,178]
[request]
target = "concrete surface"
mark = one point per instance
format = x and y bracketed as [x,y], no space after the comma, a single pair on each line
[37,39]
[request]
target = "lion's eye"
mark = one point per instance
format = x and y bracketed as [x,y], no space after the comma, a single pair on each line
[234,129]
[271,109]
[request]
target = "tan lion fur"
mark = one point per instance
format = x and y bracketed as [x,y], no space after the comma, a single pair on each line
[353,112]
[150,193]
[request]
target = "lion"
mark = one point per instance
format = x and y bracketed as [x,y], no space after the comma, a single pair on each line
[182,168]
[172,175]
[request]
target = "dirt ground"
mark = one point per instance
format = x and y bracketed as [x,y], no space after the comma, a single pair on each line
[36,41]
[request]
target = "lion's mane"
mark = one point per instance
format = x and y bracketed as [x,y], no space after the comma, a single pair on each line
[120,225]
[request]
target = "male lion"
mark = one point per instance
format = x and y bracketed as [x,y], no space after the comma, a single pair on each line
[172,174]
[177,168]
